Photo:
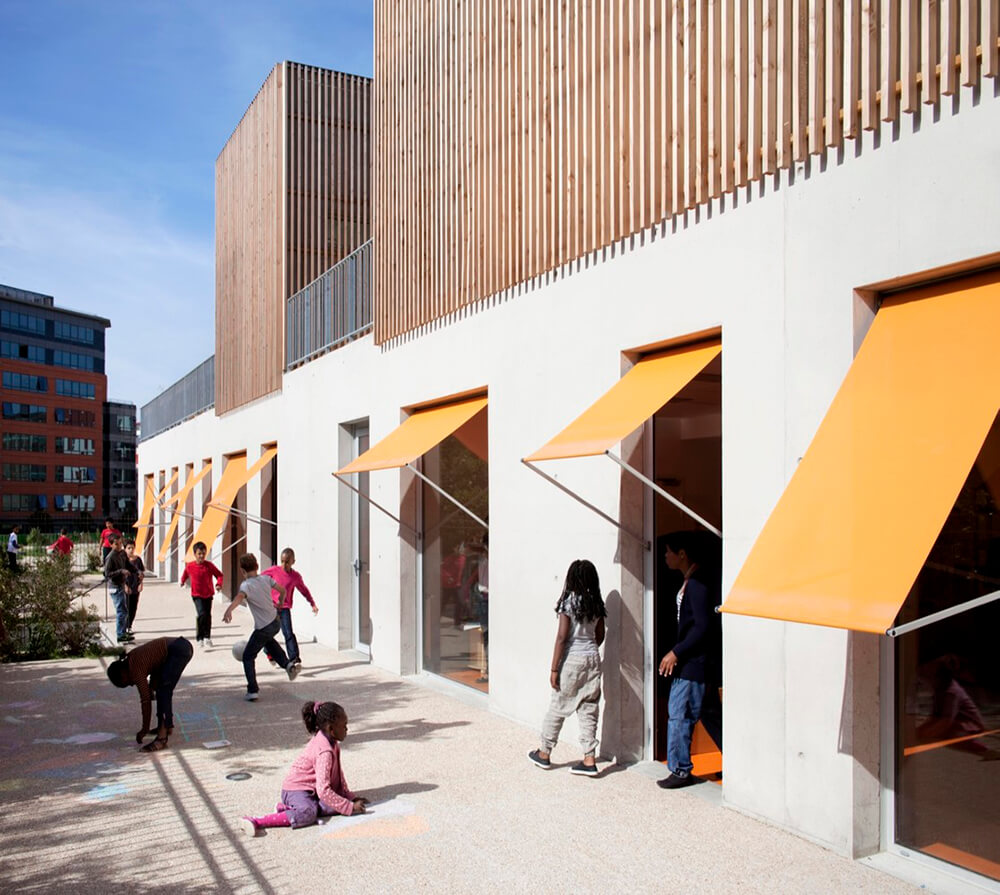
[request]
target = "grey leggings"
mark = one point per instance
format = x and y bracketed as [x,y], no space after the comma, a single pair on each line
[579,691]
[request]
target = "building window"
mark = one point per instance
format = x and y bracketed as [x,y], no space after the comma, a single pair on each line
[30,413]
[74,360]
[75,503]
[20,351]
[66,445]
[123,478]
[70,388]
[125,423]
[21,503]
[70,332]
[125,452]
[23,472]
[25,382]
[28,323]
[72,417]
[76,474]
[18,441]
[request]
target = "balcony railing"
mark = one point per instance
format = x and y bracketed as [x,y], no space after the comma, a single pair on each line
[186,398]
[333,309]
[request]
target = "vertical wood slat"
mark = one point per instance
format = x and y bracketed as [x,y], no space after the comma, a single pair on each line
[929,52]
[909,54]
[523,134]
[889,23]
[949,45]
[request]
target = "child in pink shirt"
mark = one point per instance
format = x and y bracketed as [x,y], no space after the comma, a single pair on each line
[315,785]
[289,579]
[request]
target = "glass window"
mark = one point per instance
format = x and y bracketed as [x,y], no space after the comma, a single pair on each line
[32,413]
[455,578]
[125,423]
[19,351]
[18,441]
[70,332]
[23,472]
[74,417]
[75,474]
[25,382]
[73,389]
[28,323]
[948,686]
[74,360]
[20,503]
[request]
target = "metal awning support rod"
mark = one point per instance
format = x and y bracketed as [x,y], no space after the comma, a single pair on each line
[446,495]
[179,513]
[645,544]
[243,513]
[235,543]
[944,613]
[378,506]
[649,482]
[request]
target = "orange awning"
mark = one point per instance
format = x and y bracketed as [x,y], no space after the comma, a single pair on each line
[234,476]
[179,499]
[416,435]
[643,390]
[864,507]
[145,521]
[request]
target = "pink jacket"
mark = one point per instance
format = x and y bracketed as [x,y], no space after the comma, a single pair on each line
[318,770]
[289,581]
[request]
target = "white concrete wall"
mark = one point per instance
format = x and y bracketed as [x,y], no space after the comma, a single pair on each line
[777,273]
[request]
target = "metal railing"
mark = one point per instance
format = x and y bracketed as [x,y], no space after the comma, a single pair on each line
[186,398]
[333,309]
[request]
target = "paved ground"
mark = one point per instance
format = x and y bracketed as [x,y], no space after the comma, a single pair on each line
[458,807]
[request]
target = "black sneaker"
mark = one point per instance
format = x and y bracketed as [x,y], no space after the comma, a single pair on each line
[678,781]
[585,770]
[536,759]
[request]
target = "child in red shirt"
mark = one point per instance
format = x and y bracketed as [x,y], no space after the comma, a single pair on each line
[201,573]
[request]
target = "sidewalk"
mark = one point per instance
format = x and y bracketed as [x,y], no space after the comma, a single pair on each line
[458,806]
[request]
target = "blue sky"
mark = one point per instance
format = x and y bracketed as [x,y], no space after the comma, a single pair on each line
[111,118]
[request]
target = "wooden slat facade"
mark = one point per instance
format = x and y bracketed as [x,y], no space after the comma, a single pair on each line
[292,198]
[517,135]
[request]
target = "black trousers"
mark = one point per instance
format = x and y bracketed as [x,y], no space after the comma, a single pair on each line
[203,618]
[179,653]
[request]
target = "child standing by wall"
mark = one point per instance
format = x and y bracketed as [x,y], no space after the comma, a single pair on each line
[201,573]
[135,579]
[256,592]
[288,578]
[575,673]
[315,785]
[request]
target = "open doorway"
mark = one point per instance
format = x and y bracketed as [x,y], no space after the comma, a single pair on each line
[687,463]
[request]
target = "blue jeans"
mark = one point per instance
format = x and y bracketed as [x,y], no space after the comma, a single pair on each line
[260,638]
[120,599]
[683,711]
[291,641]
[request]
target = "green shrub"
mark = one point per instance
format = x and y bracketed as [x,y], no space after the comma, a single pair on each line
[39,618]
[94,560]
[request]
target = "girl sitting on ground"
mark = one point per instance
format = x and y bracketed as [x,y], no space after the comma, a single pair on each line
[315,785]
[575,672]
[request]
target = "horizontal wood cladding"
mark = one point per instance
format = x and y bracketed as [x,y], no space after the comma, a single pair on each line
[292,197]
[517,135]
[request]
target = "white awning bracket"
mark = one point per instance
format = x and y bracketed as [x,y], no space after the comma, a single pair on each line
[645,544]
[915,625]
[446,495]
[343,481]
[664,494]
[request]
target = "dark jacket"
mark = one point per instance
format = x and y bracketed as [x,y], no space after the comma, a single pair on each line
[699,633]
[117,568]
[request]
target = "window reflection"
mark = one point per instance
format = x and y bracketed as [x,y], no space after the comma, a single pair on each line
[948,687]
[455,549]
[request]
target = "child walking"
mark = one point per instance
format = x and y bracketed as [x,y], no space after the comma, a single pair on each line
[288,578]
[135,579]
[575,675]
[315,785]
[256,592]
[201,572]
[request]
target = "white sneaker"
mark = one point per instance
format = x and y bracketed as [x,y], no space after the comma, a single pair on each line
[208,642]
[250,697]
[248,826]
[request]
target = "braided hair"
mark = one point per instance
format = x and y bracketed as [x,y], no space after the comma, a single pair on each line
[118,671]
[318,715]
[581,595]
